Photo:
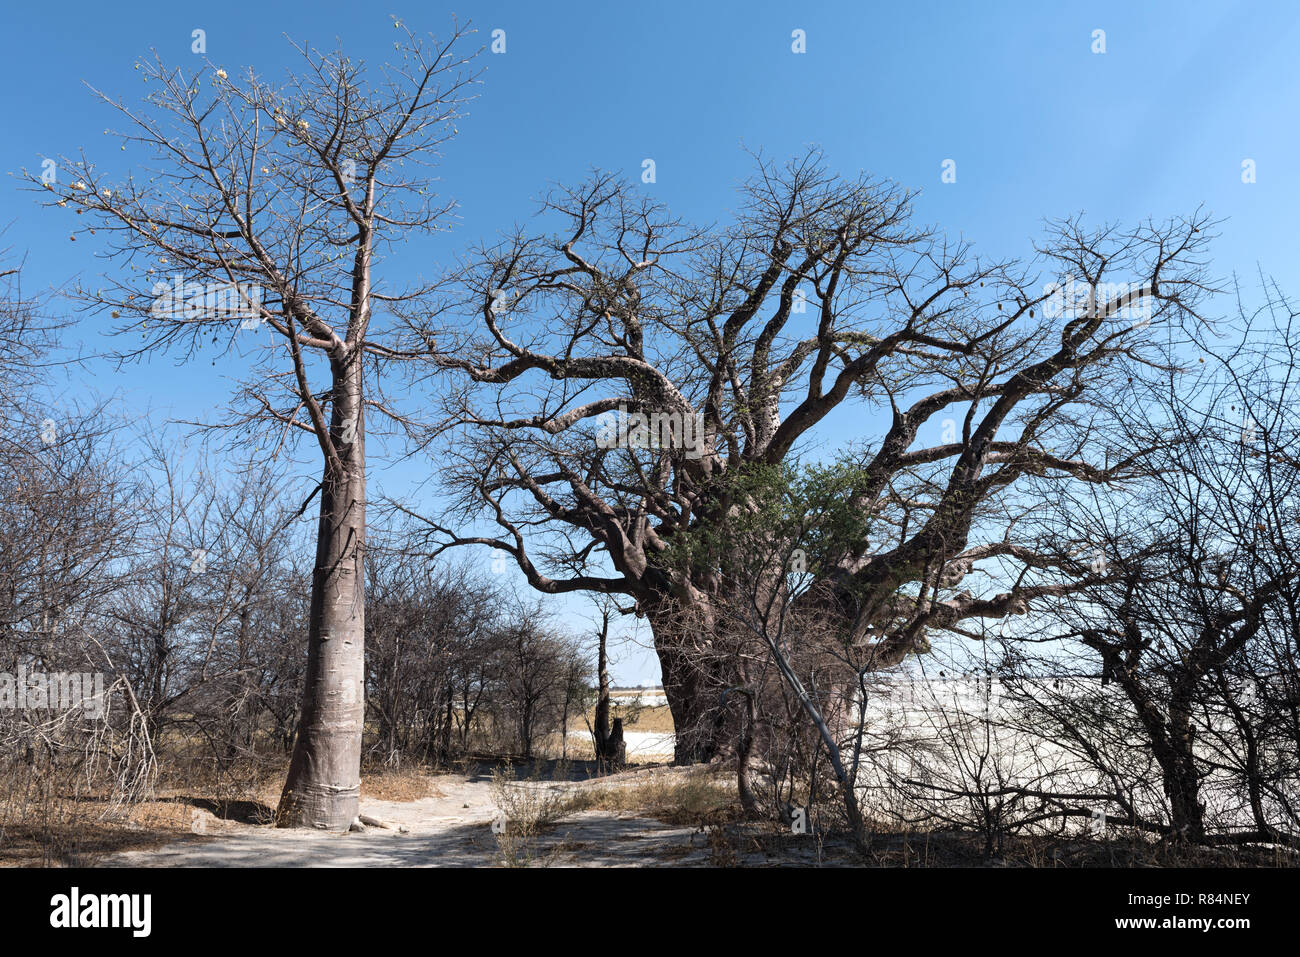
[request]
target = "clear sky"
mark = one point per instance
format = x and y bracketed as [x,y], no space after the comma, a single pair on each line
[1038,124]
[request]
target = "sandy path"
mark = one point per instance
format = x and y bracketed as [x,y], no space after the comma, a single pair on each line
[453,829]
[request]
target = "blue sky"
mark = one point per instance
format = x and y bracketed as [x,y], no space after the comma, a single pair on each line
[1038,124]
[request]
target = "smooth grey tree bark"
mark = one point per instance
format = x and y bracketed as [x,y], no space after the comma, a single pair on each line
[270,201]
[323,787]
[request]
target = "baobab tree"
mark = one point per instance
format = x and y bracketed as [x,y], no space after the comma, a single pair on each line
[726,348]
[260,226]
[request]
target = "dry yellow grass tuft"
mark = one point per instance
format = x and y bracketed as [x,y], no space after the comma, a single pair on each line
[406,784]
[691,797]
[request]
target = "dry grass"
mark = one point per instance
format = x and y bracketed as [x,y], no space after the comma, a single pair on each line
[79,829]
[579,747]
[405,784]
[526,810]
[576,747]
[658,719]
[77,844]
[695,797]
[79,833]
[691,797]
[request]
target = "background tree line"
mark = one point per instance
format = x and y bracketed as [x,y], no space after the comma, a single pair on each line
[128,550]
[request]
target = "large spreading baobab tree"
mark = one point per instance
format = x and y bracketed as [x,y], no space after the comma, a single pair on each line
[965,377]
[254,221]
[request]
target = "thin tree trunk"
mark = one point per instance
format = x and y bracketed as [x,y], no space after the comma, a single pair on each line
[745,759]
[324,784]
[848,786]
[1187,813]
[601,731]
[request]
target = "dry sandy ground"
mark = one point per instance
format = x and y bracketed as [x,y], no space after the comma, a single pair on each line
[451,830]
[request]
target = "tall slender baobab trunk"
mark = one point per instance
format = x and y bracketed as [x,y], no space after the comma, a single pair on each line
[324,783]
